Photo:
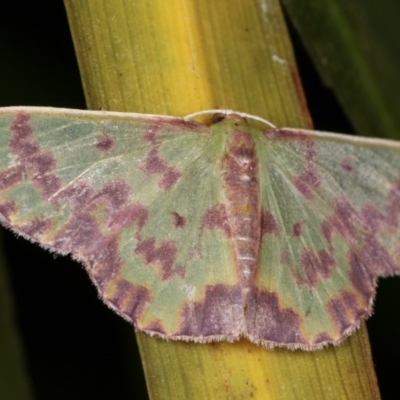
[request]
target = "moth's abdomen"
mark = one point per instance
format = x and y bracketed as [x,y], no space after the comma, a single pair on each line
[240,174]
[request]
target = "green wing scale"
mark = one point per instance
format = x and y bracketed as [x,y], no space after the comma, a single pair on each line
[208,233]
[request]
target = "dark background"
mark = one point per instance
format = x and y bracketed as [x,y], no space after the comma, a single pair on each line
[75,347]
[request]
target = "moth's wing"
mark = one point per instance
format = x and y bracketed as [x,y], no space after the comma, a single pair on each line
[331,207]
[137,199]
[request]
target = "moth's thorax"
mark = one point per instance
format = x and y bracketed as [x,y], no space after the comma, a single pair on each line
[240,174]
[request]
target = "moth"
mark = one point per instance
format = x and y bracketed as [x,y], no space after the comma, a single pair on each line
[206,233]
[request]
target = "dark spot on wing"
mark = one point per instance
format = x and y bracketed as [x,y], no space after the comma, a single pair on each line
[342,221]
[115,197]
[38,164]
[307,181]
[268,223]
[115,193]
[41,163]
[219,313]
[216,218]
[316,266]
[347,164]
[310,151]
[7,208]
[297,228]
[82,237]
[370,261]
[77,195]
[170,176]
[151,135]
[160,255]
[130,300]
[179,220]
[21,129]
[11,176]
[35,227]
[48,184]
[323,337]
[132,212]
[154,164]
[269,321]
[346,312]
[360,278]
[104,142]
[372,218]
[155,327]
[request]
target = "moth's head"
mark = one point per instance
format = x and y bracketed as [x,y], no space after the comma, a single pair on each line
[239,117]
[229,115]
[220,116]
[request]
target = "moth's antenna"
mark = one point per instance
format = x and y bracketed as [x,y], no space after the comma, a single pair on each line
[227,112]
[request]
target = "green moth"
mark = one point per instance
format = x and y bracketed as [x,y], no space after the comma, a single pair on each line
[207,233]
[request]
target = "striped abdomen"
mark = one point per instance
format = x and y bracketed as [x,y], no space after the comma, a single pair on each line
[240,174]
